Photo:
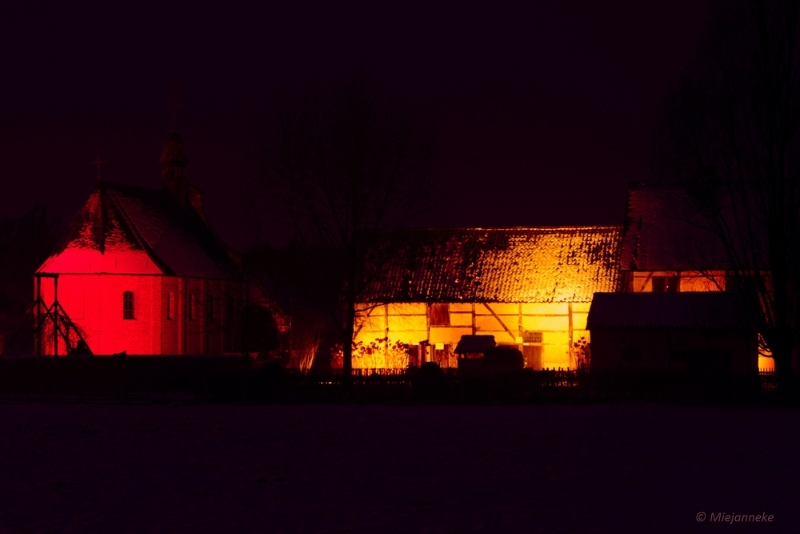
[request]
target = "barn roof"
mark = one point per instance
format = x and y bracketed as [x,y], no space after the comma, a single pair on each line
[662,232]
[555,264]
[707,310]
[124,228]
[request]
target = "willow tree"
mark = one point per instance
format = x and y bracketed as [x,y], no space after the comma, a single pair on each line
[730,136]
[343,165]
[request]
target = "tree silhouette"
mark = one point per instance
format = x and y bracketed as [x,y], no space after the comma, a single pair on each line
[25,243]
[345,163]
[730,135]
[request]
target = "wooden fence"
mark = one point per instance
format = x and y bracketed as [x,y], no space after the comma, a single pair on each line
[769,380]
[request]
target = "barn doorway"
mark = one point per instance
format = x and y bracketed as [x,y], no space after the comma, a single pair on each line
[533,357]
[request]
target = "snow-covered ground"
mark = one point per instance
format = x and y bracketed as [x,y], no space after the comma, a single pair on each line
[285,469]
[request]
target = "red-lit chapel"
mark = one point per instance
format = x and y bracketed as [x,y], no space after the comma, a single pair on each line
[141,271]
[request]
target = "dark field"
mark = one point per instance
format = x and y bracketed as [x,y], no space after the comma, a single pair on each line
[349,468]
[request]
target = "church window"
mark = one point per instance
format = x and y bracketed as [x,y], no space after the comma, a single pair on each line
[170,306]
[191,306]
[127,305]
[211,308]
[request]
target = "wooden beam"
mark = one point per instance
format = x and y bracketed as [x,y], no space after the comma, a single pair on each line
[499,320]
[571,340]
[357,329]
[474,329]
[649,276]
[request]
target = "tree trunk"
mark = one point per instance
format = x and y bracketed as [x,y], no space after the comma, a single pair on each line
[347,337]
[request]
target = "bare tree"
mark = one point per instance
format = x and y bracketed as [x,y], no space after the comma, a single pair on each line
[731,137]
[24,245]
[345,164]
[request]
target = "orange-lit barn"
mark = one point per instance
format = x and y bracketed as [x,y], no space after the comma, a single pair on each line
[141,271]
[528,287]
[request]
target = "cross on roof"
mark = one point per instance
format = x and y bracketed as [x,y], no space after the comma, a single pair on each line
[97,162]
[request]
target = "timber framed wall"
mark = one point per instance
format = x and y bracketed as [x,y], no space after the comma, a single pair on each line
[544,332]
[528,287]
[686,281]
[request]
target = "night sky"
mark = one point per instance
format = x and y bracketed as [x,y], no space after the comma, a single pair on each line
[542,114]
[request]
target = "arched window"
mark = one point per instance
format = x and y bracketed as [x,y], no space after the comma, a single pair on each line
[127,306]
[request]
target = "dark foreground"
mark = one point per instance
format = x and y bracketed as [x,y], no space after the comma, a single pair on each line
[348,468]
[240,380]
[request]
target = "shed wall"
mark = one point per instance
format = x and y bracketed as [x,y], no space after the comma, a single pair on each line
[660,349]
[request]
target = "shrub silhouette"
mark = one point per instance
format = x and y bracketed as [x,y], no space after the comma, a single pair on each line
[501,360]
[429,382]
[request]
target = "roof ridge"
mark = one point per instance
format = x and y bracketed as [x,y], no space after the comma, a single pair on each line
[137,234]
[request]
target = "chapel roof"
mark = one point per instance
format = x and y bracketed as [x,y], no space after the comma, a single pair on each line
[551,264]
[125,228]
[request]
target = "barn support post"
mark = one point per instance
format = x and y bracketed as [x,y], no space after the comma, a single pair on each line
[426,349]
[571,350]
[385,335]
[474,329]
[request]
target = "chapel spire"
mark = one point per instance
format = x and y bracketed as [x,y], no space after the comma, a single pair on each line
[173,167]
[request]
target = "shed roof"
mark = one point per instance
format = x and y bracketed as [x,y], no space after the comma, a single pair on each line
[128,229]
[552,264]
[709,310]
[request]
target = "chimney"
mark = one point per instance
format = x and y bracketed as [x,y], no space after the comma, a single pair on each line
[173,168]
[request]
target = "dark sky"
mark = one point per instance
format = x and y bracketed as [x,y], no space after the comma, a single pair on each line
[542,114]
